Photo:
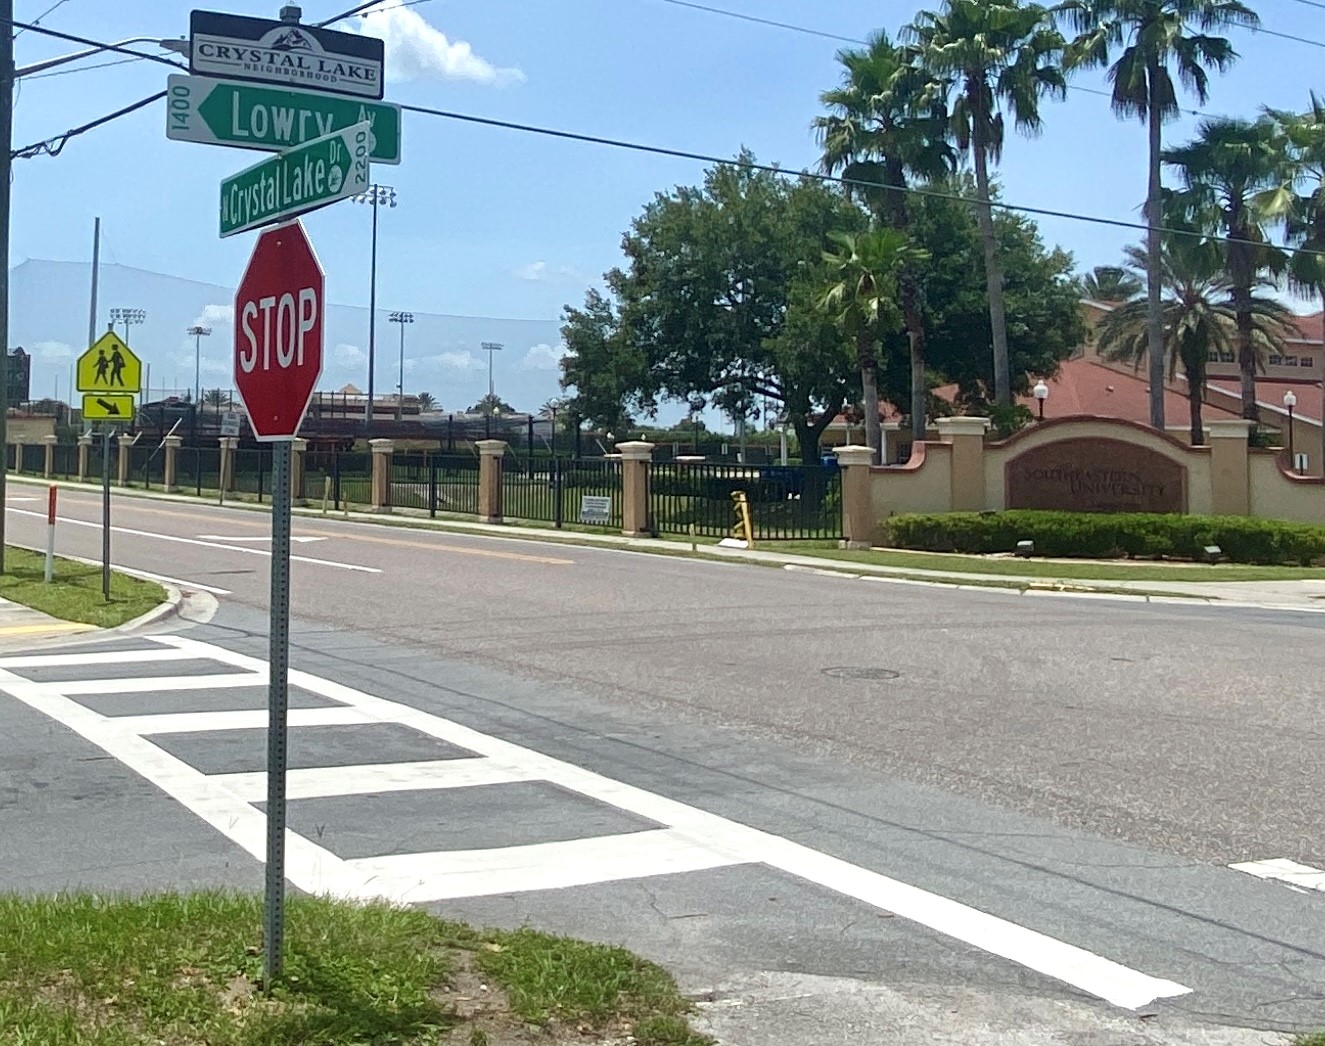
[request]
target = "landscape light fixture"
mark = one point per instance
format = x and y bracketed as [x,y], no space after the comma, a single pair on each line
[1041,393]
[1212,554]
[1290,401]
[1025,549]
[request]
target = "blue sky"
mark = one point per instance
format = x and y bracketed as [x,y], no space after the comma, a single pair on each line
[509,225]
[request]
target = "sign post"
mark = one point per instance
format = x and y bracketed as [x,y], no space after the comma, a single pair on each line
[108,374]
[279,313]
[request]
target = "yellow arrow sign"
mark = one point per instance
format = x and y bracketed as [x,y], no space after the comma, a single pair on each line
[108,406]
[110,366]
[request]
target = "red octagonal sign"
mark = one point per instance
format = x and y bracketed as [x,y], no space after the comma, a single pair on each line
[278,331]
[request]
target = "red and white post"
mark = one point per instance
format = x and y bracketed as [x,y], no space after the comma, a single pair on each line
[50,535]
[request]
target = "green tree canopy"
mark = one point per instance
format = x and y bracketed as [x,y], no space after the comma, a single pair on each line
[491,404]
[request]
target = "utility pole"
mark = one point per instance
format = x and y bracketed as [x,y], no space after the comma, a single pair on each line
[402,318]
[198,334]
[377,196]
[6,177]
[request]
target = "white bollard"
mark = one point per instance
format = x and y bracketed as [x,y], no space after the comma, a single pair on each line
[50,535]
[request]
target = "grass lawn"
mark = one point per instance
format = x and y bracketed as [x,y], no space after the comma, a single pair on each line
[75,594]
[86,971]
[1082,569]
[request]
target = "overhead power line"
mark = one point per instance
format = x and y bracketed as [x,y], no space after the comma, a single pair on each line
[78,69]
[50,10]
[54,146]
[116,48]
[364,9]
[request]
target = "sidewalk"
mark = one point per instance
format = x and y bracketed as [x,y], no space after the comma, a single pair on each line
[21,626]
[1306,595]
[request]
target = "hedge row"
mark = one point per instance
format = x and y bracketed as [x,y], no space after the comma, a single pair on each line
[1100,536]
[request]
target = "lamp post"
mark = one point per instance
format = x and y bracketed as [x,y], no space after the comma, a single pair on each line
[377,196]
[1041,393]
[404,319]
[492,348]
[198,334]
[1290,401]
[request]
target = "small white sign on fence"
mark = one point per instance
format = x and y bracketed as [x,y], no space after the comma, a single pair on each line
[230,424]
[595,509]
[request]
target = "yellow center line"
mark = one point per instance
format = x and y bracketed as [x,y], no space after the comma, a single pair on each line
[54,626]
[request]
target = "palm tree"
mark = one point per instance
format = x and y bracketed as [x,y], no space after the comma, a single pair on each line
[1110,283]
[1236,181]
[884,128]
[863,298]
[993,56]
[215,398]
[1157,38]
[1198,321]
[427,402]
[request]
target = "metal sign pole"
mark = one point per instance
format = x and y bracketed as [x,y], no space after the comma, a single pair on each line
[105,512]
[278,698]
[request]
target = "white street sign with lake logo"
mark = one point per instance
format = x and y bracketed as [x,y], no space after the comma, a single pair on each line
[239,48]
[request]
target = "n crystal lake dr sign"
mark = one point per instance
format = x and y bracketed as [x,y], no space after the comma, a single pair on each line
[251,116]
[292,183]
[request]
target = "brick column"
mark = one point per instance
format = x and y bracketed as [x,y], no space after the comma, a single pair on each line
[18,456]
[859,526]
[491,452]
[299,448]
[226,480]
[1230,485]
[967,437]
[636,461]
[382,449]
[890,433]
[48,465]
[172,462]
[84,451]
[126,442]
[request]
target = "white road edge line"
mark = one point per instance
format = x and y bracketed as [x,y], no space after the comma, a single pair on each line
[146,575]
[203,544]
[1301,876]
[1056,959]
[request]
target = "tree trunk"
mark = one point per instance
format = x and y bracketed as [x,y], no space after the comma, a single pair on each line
[993,270]
[808,435]
[1194,391]
[909,293]
[1154,306]
[1240,273]
[869,383]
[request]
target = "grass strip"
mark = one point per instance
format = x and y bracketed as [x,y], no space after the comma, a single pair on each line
[75,592]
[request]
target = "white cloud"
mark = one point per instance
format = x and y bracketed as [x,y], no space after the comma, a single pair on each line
[344,353]
[534,272]
[215,316]
[52,350]
[459,360]
[544,357]
[416,50]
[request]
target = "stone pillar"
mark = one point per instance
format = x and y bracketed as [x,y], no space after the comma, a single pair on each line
[636,460]
[48,465]
[226,481]
[126,453]
[490,455]
[859,526]
[18,456]
[298,449]
[966,435]
[84,452]
[382,449]
[889,433]
[1230,486]
[172,462]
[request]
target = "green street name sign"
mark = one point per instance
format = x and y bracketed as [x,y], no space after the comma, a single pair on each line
[292,183]
[251,116]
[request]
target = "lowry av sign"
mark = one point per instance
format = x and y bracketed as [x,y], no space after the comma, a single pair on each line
[240,48]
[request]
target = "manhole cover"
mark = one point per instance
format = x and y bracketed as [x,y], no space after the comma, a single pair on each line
[856,672]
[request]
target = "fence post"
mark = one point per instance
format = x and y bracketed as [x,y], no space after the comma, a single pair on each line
[432,486]
[1230,490]
[335,477]
[226,480]
[48,465]
[383,450]
[171,474]
[300,450]
[558,505]
[18,455]
[126,454]
[84,451]
[490,455]
[859,527]
[636,460]
[967,437]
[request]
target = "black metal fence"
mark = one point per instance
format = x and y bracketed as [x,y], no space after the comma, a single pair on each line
[787,502]
[435,482]
[556,491]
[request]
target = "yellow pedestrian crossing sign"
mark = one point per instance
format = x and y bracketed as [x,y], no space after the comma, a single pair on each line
[108,406]
[110,366]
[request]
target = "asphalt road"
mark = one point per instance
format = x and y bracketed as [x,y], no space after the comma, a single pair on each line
[1084,769]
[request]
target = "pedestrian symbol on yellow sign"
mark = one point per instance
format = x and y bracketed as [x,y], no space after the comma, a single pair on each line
[109,366]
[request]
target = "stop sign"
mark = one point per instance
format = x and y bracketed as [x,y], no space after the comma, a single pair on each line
[278,331]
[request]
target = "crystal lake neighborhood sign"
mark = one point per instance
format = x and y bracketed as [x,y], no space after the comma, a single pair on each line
[254,116]
[236,47]
[292,183]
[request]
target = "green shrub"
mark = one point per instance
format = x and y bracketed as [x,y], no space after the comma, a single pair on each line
[1089,535]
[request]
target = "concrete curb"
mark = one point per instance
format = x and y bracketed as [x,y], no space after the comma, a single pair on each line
[170,608]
